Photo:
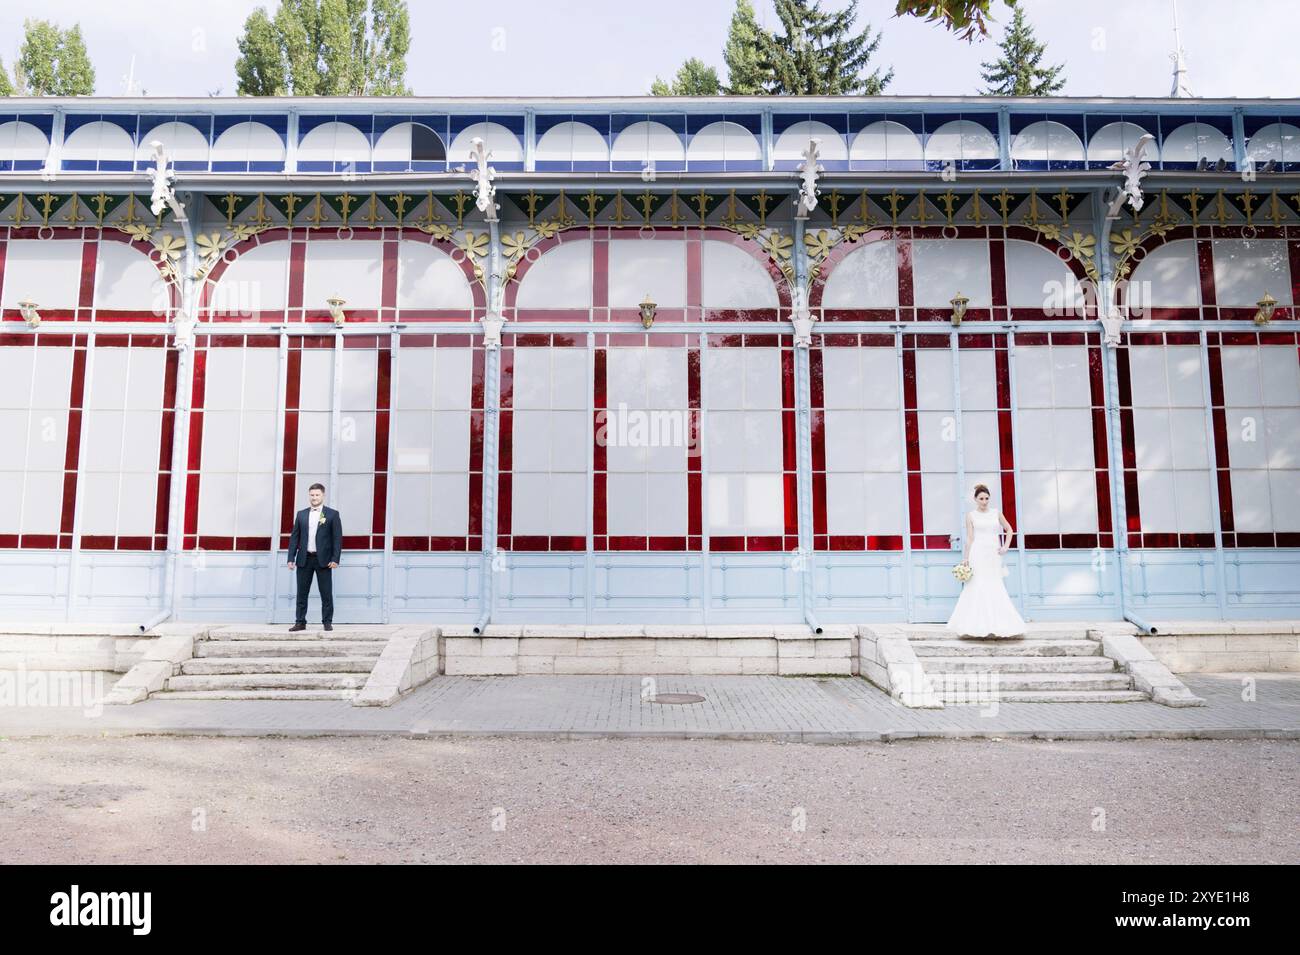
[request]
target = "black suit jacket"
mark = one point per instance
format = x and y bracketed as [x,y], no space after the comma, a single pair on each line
[329,537]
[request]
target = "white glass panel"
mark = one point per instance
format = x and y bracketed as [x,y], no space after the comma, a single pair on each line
[1038,503]
[793,142]
[1187,432]
[1072,436]
[979,431]
[316,383]
[1033,378]
[886,140]
[934,379]
[428,278]
[1241,377]
[16,376]
[359,378]
[500,141]
[1284,489]
[357,441]
[569,508]
[1167,276]
[99,497]
[1185,379]
[846,441]
[451,441]
[1037,278]
[979,384]
[248,142]
[723,140]
[217,503]
[1077,498]
[880,373]
[626,505]
[846,504]
[640,266]
[42,503]
[943,267]
[532,378]
[44,271]
[413,500]
[865,278]
[648,141]
[937,431]
[1158,501]
[884,441]
[450,504]
[569,440]
[884,504]
[531,441]
[313,441]
[1071,377]
[1244,270]
[764,504]
[253,514]
[135,510]
[842,384]
[1251,506]
[355,501]
[939,503]
[570,378]
[726,440]
[561,278]
[1280,376]
[1282,429]
[1193,488]
[258,280]
[453,376]
[1152,440]
[348,269]
[762,377]
[726,503]
[125,278]
[142,431]
[666,379]
[724,375]
[11,501]
[732,278]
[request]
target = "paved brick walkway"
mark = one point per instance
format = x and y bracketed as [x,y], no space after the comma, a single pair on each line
[735,707]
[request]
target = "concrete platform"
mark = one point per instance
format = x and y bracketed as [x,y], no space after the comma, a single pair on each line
[793,709]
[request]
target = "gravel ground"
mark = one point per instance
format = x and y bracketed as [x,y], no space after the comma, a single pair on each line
[185,800]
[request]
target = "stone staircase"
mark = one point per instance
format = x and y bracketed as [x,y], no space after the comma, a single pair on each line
[1052,663]
[242,662]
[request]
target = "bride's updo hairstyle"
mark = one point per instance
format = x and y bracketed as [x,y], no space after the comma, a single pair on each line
[981,489]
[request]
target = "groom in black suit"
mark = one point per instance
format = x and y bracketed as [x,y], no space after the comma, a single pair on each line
[314,548]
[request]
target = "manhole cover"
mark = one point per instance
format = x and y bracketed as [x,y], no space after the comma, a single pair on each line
[676,698]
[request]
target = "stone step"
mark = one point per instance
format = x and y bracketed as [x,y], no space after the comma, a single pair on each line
[1002,682]
[359,649]
[269,681]
[920,632]
[1056,696]
[211,665]
[1006,648]
[254,695]
[1023,664]
[311,633]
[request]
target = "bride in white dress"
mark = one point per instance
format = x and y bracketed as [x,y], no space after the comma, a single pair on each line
[984,608]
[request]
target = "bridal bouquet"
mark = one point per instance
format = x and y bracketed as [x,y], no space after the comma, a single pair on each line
[962,572]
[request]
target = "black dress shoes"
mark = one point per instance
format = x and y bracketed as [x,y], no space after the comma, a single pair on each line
[297,626]
[328,626]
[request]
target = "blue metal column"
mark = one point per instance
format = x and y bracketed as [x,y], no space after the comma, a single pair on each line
[1212,458]
[491,439]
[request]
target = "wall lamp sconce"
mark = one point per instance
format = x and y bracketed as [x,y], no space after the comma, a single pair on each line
[336,310]
[29,313]
[1267,305]
[959,303]
[648,307]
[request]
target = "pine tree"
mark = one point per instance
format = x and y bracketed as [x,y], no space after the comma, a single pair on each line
[694,78]
[742,52]
[54,62]
[820,54]
[1018,71]
[325,48]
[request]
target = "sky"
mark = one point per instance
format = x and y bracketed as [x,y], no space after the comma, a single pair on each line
[617,47]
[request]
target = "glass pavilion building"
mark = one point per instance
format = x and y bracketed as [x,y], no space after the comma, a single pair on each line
[655,433]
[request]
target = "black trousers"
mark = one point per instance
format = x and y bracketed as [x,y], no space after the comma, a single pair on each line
[324,585]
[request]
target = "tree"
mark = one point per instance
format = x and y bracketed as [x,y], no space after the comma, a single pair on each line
[742,52]
[967,16]
[6,87]
[325,48]
[53,62]
[819,54]
[694,78]
[1018,72]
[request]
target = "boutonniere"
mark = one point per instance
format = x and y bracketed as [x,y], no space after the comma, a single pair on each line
[321,520]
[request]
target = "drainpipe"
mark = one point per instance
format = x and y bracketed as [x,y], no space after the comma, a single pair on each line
[183,332]
[1106,302]
[491,432]
[803,433]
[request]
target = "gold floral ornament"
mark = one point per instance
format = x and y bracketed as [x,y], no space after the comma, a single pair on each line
[747,230]
[211,245]
[138,232]
[1124,244]
[441,231]
[1049,230]
[514,245]
[475,246]
[818,245]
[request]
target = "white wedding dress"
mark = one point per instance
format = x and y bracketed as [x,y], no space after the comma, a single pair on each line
[984,608]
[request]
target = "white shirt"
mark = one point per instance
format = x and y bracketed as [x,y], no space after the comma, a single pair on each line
[313,521]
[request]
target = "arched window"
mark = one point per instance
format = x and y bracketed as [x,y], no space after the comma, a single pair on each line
[184,145]
[1192,142]
[1109,143]
[787,151]
[887,145]
[648,142]
[409,146]
[22,146]
[334,147]
[248,147]
[500,141]
[572,145]
[99,145]
[1046,143]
